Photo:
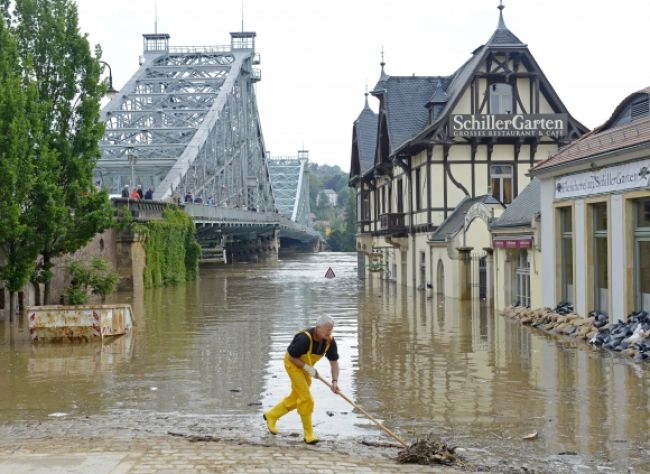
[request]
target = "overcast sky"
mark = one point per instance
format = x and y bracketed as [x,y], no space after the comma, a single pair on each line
[318,56]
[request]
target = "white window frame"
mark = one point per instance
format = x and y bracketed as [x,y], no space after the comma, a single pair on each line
[497,172]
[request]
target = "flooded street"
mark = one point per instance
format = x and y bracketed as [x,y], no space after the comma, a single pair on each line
[213,350]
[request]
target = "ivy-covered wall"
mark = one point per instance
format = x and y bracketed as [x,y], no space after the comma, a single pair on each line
[172,253]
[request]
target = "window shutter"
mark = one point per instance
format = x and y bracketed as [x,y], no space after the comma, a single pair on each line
[640,109]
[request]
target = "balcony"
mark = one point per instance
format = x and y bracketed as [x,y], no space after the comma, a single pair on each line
[392,224]
[364,226]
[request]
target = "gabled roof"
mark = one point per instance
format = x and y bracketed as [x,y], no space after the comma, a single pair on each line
[606,138]
[365,132]
[521,211]
[456,220]
[501,39]
[404,105]
[403,116]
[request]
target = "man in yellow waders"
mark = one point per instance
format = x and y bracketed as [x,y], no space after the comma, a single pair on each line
[307,348]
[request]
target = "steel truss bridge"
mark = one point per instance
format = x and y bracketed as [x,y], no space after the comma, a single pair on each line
[187,122]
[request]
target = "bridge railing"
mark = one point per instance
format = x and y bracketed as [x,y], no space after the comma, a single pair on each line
[227,214]
[142,209]
[199,49]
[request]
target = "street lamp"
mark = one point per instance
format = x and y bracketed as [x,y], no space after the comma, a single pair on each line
[111,90]
[132,157]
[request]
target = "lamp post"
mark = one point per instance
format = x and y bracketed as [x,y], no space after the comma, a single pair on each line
[111,90]
[132,157]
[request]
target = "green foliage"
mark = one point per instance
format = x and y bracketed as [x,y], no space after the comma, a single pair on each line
[20,115]
[341,218]
[350,224]
[172,253]
[55,56]
[124,219]
[90,277]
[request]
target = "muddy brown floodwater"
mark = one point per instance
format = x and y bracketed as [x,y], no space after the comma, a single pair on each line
[211,353]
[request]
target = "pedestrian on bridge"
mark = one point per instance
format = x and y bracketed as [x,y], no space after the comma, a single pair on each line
[307,348]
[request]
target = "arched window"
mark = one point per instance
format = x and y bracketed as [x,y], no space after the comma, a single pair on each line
[501,98]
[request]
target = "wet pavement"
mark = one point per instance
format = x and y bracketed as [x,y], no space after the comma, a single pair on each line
[206,359]
[165,455]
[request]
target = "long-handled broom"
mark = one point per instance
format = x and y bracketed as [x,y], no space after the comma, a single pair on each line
[386,430]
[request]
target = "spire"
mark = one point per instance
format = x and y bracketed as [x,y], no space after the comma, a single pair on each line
[367,106]
[503,36]
[502,24]
[382,77]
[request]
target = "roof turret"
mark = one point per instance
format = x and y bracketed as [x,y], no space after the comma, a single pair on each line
[365,133]
[503,36]
[383,77]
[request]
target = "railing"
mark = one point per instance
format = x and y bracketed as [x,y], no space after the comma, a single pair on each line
[225,214]
[392,224]
[364,226]
[199,49]
[142,209]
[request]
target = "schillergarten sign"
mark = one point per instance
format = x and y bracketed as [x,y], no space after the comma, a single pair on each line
[612,179]
[510,125]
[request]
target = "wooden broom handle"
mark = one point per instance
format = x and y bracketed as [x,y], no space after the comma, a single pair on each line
[376,421]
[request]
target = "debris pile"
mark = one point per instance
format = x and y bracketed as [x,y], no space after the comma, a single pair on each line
[429,451]
[631,337]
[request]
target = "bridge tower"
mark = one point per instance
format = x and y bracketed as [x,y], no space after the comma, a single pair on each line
[290,184]
[187,122]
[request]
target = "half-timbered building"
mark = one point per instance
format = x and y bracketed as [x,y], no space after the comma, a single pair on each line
[443,141]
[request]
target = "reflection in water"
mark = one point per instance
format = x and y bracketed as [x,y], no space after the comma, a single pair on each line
[457,369]
[421,365]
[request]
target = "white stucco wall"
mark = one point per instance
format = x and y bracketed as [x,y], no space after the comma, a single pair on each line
[547,191]
[580,257]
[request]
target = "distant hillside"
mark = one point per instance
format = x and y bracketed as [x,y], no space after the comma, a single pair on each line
[336,218]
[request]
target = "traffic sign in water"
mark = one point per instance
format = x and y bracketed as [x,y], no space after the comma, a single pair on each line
[329,273]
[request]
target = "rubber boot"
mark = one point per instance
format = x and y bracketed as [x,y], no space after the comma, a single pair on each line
[272,416]
[308,429]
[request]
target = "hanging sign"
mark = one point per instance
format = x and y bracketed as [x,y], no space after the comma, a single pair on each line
[611,179]
[329,273]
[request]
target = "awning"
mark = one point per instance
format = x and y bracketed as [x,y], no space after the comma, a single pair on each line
[523,242]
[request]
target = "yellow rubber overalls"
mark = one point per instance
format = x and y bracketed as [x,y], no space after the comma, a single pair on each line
[300,396]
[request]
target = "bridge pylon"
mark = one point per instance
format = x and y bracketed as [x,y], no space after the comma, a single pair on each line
[187,122]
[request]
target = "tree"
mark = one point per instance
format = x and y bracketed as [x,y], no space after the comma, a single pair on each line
[19,128]
[55,56]
[88,277]
[315,185]
[350,227]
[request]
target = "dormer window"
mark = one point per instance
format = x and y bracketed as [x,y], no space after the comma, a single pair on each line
[637,110]
[436,109]
[640,109]
[500,98]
